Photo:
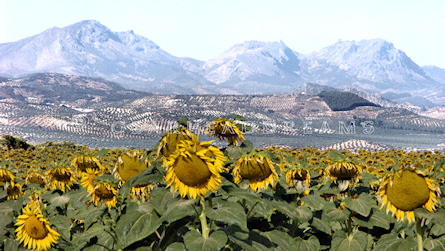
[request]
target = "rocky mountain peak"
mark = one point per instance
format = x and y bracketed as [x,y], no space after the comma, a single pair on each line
[88,48]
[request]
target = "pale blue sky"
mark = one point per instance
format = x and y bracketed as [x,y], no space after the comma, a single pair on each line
[203,29]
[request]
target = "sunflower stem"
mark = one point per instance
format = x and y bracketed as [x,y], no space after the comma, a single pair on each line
[293,228]
[349,225]
[419,234]
[202,217]
[251,209]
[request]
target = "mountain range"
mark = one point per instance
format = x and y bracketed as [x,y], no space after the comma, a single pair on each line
[54,88]
[90,49]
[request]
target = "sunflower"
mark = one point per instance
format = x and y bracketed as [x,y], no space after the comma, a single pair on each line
[6,176]
[300,178]
[82,163]
[295,176]
[35,177]
[141,192]
[35,199]
[60,178]
[14,191]
[34,230]
[344,173]
[224,128]
[168,143]
[284,166]
[405,190]
[194,168]
[87,179]
[332,197]
[258,169]
[104,193]
[129,165]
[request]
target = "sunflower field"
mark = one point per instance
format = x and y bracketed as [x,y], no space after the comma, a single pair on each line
[185,194]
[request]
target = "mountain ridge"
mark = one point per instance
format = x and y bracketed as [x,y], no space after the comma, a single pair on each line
[88,48]
[59,89]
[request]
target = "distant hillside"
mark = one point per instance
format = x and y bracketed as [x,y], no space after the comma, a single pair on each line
[295,120]
[3,79]
[60,88]
[313,88]
[343,101]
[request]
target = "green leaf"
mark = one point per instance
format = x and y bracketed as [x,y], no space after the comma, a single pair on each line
[11,245]
[105,241]
[16,205]
[5,208]
[307,245]
[183,121]
[281,239]
[336,156]
[315,202]
[161,198]
[146,177]
[83,213]
[341,242]
[438,216]
[106,178]
[380,218]
[377,218]
[361,205]
[135,226]
[83,238]
[78,198]
[62,224]
[442,188]
[102,153]
[257,237]
[247,244]
[176,246]
[146,248]
[238,117]
[367,177]
[321,225]
[242,194]
[261,210]
[93,216]
[437,230]
[144,207]
[5,219]
[3,194]
[391,242]
[362,238]
[230,213]
[434,244]
[304,213]
[194,241]
[425,214]
[236,151]
[334,214]
[290,159]
[349,245]
[285,208]
[58,201]
[329,187]
[178,210]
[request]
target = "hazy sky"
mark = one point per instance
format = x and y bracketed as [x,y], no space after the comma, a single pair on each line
[204,29]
